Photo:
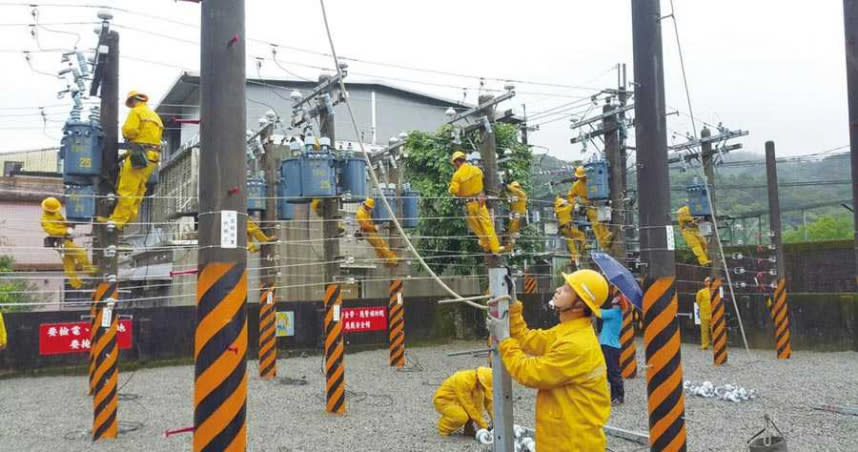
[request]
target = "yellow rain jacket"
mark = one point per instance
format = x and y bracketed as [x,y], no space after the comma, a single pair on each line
[143,126]
[566,365]
[467,181]
[691,233]
[254,232]
[563,212]
[364,220]
[3,337]
[370,233]
[703,300]
[578,193]
[54,224]
[686,221]
[460,399]
[519,204]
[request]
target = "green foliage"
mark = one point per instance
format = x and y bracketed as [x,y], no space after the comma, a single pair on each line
[442,227]
[12,290]
[823,228]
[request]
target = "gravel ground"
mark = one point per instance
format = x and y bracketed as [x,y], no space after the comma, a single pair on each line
[392,410]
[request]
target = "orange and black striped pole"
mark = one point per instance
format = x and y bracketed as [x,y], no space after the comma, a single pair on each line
[719,324]
[220,339]
[97,295]
[529,284]
[335,371]
[665,397]
[267,337]
[396,324]
[780,317]
[104,349]
[628,358]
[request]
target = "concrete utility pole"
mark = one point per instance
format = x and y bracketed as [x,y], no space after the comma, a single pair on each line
[707,157]
[498,285]
[330,206]
[109,86]
[270,162]
[651,141]
[774,207]
[221,327]
[614,151]
[850,19]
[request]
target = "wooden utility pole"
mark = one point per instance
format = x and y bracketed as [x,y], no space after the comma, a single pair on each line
[499,281]
[220,358]
[850,19]
[774,207]
[707,157]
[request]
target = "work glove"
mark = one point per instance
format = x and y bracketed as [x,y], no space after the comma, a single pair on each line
[498,328]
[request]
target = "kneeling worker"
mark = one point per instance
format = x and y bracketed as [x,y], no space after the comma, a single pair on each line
[467,182]
[461,400]
[74,257]
[564,363]
[369,231]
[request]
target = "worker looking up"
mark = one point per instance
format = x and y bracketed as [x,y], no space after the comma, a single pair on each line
[369,231]
[578,194]
[461,400]
[467,182]
[564,363]
[142,132]
[574,237]
[704,308]
[691,234]
[518,209]
[255,232]
[59,237]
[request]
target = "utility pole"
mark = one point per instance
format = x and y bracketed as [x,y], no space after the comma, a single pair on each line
[499,284]
[707,158]
[850,19]
[331,208]
[774,207]
[104,349]
[395,306]
[614,154]
[268,258]
[220,385]
[661,330]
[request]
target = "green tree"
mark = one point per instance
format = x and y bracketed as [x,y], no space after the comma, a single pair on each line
[823,228]
[12,290]
[442,229]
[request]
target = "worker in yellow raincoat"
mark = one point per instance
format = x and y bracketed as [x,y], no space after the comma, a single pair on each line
[255,232]
[692,235]
[316,206]
[467,182]
[74,257]
[565,364]
[369,231]
[3,338]
[461,400]
[576,241]
[704,307]
[578,194]
[518,209]
[142,131]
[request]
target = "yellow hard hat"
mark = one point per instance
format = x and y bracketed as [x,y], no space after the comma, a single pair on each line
[457,155]
[135,95]
[683,209]
[51,205]
[591,286]
[484,375]
[580,172]
[515,184]
[370,203]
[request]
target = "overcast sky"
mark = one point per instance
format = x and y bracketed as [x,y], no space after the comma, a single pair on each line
[773,67]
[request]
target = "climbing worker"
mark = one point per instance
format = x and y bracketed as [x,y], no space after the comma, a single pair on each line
[255,232]
[316,206]
[142,132]
[59,237]
[609,339]
[369,231]
[691,233]
[467,182]
[461,400]
[578,194]
[518,209]
[574,237]
[704,309]
[564,363]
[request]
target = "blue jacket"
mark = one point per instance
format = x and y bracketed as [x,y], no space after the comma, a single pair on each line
[612,322]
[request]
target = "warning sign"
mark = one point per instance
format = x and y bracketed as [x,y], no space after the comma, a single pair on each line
[74,337]
[370,318]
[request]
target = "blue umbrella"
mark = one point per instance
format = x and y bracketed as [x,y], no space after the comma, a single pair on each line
[621,277]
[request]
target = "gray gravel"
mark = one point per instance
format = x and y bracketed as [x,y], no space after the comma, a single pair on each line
[392,410]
